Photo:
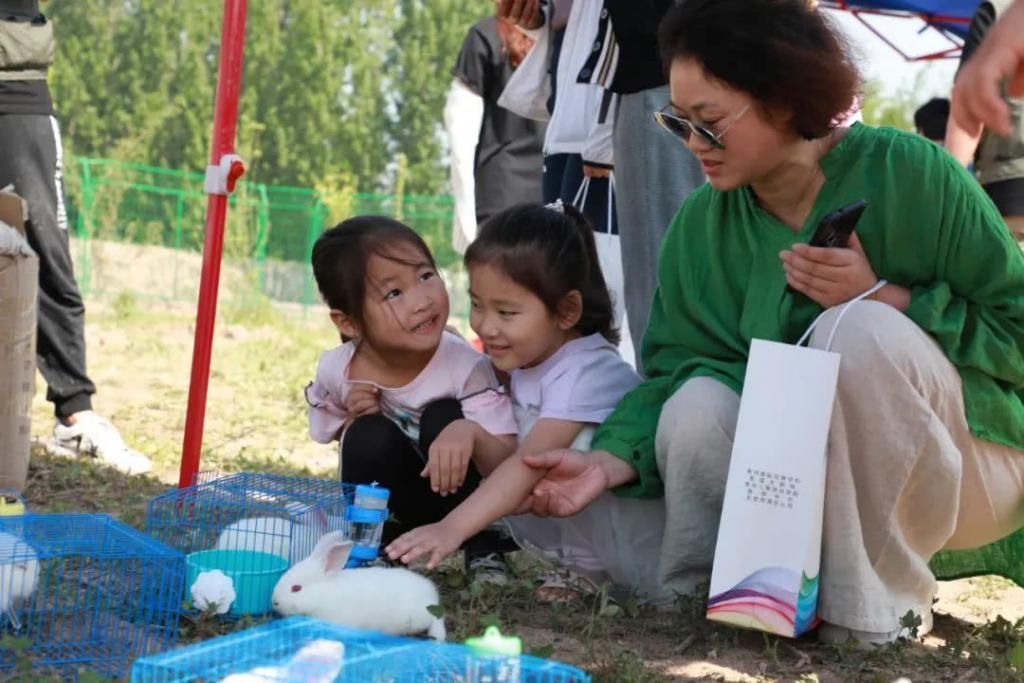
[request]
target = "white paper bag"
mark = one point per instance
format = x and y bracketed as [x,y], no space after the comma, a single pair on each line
[765,572]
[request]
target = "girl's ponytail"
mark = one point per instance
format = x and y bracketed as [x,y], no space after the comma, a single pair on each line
[598,310]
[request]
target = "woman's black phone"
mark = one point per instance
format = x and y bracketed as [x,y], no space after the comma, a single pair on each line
[835,229]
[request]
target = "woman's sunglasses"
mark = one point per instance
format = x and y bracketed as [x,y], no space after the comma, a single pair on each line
[684,128]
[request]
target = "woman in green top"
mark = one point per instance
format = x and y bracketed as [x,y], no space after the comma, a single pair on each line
[928,428]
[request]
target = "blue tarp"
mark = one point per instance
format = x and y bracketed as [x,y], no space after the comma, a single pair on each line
[963,9]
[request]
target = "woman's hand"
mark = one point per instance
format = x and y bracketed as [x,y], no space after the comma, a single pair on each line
[573,480]
[829,276]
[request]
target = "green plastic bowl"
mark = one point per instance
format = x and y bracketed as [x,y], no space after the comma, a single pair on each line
[254,575]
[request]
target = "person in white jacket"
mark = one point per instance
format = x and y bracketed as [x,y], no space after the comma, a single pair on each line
[578,158]
[495,155]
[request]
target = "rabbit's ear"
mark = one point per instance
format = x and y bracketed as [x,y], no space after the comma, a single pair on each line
[336,556]
[326,541]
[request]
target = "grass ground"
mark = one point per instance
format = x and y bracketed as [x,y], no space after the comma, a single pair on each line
[139,355]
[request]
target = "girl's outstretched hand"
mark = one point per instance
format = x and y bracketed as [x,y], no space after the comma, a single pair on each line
[437,540]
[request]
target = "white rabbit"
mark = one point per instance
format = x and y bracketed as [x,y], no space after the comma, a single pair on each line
[277,535]
[389,600]
[19,573]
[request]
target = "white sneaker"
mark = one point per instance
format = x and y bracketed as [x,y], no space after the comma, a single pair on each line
[94,435]
[490,569]
[838,635]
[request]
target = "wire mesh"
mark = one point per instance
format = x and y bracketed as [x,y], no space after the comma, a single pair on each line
[299,649]
[139,229]
[84,591]
[244,525]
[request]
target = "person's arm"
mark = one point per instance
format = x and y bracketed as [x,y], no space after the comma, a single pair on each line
[598,155]
[490,450]
[961,142]
[327,411]
[498,495]
[463,117]
[973,308]
[508,485]
[977,94]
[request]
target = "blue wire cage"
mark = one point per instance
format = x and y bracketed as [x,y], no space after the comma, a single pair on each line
[300,649]
[249,526]
[84,592]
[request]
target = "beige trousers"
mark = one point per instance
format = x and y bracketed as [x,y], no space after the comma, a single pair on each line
[905,476]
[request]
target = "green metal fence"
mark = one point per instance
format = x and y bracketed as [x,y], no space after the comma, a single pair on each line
[140,229]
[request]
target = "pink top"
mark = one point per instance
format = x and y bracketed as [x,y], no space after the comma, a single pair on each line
[457,370]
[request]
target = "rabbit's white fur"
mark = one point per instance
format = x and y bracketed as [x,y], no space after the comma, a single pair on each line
[389,600]
[275,535]
[19,572]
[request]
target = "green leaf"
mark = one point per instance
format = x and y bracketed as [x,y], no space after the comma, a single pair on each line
[15,644]
[1016,657]
[610,611]
[437,611]
[489,619]
[543,652]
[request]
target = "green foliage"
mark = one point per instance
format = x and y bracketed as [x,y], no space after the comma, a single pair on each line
[894,110]
[330,89]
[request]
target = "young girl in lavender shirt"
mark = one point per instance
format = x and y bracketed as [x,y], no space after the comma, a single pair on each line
[543,311]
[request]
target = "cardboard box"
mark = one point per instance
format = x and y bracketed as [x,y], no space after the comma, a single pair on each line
[19,287]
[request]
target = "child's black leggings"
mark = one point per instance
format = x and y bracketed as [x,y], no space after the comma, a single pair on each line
[374,449]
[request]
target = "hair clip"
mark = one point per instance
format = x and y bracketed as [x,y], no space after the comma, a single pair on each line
[556,206]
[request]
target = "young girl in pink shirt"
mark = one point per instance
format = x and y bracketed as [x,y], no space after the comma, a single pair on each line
[410,402]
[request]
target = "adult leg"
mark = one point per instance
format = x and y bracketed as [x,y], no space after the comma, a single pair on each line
[554,172]
[31,160]
[654,174]
[905,476]
[693,447]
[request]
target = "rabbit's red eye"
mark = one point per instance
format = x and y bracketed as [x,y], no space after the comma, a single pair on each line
[296,588]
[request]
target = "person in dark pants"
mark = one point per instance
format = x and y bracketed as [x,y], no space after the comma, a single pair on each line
[31,160]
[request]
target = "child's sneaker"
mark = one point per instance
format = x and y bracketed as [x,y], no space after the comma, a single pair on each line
[564,587]
[491,569]
[94,435]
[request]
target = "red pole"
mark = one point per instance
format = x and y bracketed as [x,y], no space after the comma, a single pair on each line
[225,119]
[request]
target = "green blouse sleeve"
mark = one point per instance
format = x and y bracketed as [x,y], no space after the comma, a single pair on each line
[629,432]
[975,308]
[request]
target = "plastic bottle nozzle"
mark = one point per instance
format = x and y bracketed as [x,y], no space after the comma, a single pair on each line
[493,643]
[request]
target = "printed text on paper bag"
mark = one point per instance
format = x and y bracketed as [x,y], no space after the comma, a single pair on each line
[772,488]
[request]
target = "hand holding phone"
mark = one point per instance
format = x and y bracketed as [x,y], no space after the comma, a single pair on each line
[835,229]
